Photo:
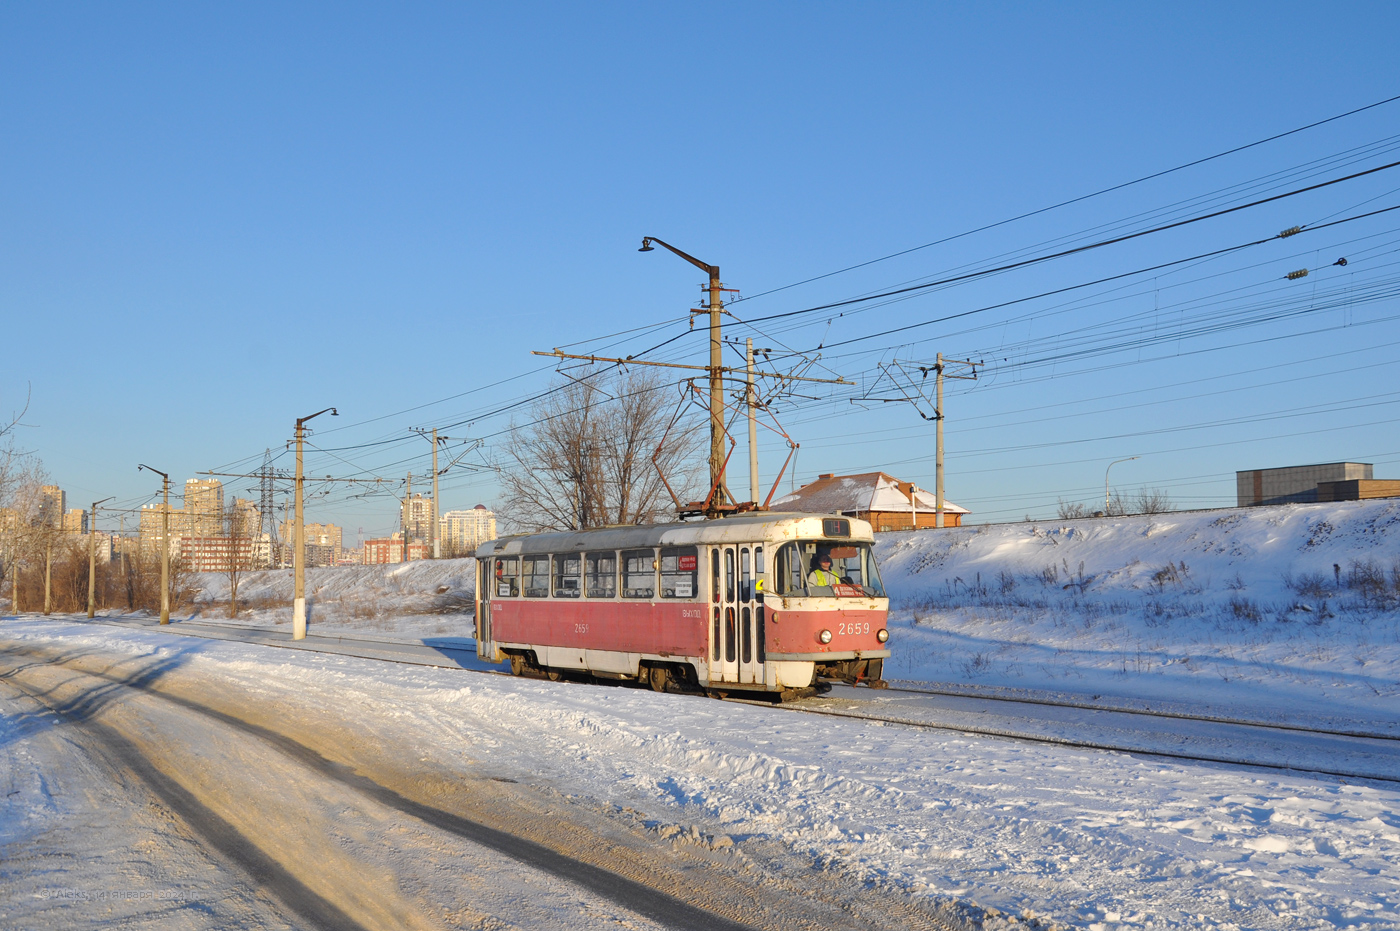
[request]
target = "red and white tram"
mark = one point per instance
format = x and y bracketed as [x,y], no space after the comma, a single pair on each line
[721,605]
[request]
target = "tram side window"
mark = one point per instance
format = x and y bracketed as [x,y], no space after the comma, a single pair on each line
[638,574]
[507,577]
[680,572]
[535,576]
[567,569]
[790,572]
[600,570]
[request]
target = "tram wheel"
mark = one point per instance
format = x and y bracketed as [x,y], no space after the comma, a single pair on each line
[659,678]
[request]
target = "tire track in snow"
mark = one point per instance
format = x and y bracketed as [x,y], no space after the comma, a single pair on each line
[629,893]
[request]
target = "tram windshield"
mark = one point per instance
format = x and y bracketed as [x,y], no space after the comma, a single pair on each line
[801,570]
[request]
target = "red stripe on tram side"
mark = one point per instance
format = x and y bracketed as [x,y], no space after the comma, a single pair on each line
[675,628]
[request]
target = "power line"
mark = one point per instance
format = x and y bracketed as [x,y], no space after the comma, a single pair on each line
[1075,200]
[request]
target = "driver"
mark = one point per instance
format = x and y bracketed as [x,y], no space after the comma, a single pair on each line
[822,574]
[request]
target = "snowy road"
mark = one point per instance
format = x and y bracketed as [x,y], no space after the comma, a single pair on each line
[762,816]
[1175,736]
[324,828]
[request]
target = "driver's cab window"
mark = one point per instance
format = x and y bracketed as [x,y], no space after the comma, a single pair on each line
[814,568]
[790,577]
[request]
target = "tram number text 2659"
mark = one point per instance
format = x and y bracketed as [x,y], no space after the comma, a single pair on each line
[853,627]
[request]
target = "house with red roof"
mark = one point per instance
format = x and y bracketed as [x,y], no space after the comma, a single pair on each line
[883,500]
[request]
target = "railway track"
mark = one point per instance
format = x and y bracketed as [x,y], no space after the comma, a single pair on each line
[1351,754]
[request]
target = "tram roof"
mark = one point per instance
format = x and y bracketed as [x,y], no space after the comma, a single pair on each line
[760,527]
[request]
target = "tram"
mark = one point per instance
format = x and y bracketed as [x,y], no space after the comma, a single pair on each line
[730,605]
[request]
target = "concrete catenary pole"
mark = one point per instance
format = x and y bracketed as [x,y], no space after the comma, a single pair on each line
[48,570]
[721,494]
[164,542]
[752,397]
[938,455]
[299,537]
[407,518]
[92,558]
[437,553]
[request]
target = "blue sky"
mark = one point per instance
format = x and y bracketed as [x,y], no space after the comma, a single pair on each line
[219,219]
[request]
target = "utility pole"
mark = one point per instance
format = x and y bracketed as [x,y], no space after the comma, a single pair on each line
[913,506]
[752,397]
[92,559]
[436,553]
[164,544]
[407,515]
[939,374]
[299,534]
[48,570]
[721,495]
[938,458]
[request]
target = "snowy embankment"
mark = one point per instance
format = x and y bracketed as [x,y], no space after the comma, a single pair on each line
[1276,611]
[416,599]
[1291,610]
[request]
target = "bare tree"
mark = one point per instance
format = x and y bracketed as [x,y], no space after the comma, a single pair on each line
[1069,510]
[1154,501]
[236,557]
[585,459]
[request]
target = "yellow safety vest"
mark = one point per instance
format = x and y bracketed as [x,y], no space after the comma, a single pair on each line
[822,577]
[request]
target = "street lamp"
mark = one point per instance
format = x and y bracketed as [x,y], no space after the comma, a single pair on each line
[299,539]
[718,492]
[164,545]
[1105,480]
[92,558]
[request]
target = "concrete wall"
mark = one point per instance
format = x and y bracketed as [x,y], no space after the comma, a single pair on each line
[1358,490]
[1294,484]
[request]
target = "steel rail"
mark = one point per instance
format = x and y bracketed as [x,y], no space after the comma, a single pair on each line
[1000,733]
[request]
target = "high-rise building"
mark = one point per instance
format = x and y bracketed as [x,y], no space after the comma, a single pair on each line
[462,532]
[416,518]
[150,528]
[328,535]
[204,503]
[390,551]
[243,518]
[53,503]
[75,520]
[322,542]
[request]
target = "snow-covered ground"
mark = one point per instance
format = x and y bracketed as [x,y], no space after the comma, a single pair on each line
[424,598]
[1275,611]
[1284,613]
[1082,838]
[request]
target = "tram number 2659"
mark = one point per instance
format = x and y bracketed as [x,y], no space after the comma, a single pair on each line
[853,627]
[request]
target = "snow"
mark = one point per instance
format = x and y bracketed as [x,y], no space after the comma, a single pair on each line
[1252,621]
[416,599]
[1268,612]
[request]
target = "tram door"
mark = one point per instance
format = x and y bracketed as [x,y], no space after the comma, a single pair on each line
[484,584]
[736,645]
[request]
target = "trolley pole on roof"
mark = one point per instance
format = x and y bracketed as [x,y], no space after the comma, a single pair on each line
[716,370]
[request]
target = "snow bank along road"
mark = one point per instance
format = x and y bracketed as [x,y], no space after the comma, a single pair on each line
[268,785]
[328,828]
[1370,751]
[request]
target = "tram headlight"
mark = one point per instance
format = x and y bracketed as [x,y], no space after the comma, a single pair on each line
[824,636]
[882,635]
